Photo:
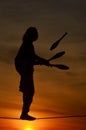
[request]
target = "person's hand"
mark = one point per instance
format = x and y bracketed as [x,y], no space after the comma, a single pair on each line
[46,62]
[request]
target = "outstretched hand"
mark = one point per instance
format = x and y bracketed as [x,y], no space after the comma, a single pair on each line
[46,62]
[41,61]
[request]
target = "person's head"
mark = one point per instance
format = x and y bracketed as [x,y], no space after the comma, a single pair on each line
[30,34]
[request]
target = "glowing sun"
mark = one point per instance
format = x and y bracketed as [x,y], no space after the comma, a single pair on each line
[28,129]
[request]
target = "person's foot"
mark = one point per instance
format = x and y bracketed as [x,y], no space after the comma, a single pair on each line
[27,117]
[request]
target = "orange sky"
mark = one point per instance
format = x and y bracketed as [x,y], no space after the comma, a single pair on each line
[56,92]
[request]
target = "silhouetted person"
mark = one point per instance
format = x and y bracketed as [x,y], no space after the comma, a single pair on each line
[24,63]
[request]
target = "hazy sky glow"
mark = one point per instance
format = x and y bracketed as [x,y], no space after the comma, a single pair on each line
[56,92]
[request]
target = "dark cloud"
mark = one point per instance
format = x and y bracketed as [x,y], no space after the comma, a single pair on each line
[79,86]
[19,9]
[58,15]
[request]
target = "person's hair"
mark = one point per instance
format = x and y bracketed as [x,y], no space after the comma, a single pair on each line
[31,34]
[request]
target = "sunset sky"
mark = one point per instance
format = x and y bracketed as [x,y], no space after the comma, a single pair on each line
[57,92]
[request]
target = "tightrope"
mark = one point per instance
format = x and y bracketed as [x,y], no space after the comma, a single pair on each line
[55,117]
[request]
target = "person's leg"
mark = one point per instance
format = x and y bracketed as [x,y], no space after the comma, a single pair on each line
[27,87]
[27,100]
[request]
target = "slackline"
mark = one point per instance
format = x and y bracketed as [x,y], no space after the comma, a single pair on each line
[55,117]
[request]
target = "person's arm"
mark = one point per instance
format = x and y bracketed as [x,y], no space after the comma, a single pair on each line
[40,61]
